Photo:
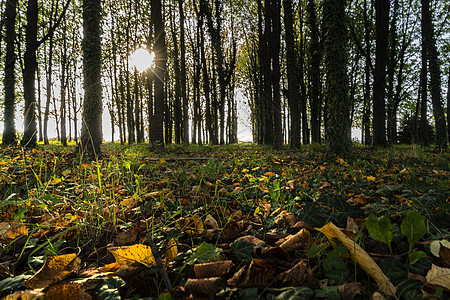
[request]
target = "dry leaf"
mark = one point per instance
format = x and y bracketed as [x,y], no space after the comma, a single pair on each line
[67,291]
[252,240]
[191,225]
[55,269]
[211,222]
[204,286]
[377,296]
[171,250]
[301,240]
[299,275]
[9,232]
[212,269]
[361,257]
[127,237]
[257,274]
[25,295]
[232,230]
[133,254]
[350,290]
[438,276]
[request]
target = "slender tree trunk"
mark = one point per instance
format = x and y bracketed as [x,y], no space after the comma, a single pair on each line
[177,105]
[29,72]
[367,139]
[183,76]
[63,87]
[379,83]
[160,71]
[339,105]
[435,76]
[278,131]
[448,104]
[314,71]
[9,131]
[91,130]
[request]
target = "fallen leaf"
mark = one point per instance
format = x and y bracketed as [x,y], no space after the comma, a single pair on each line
[212,269]
[301,240]
[25,295]
[67,291]
[55,269]
[171,250]
[133,254]
[257,274]
[203,286]
[438,276]
[361,257]
[351,290]
[371,178]
[299,275]
[211,222]
[11,231]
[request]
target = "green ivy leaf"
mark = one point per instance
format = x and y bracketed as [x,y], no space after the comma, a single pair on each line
[413,227]
[204,253]
[415,256]
[109,288]
[315,250]
[328,292]
[380,229]
[242,250]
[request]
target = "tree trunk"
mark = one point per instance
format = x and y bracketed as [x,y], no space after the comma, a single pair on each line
[177,105]
[9,131]
[379,83]
[314,71]
[339,104]
[183,76]
[435,75]
[160,71]
[275,42]
[367,139]
[29,72]
[91,130]
[63,88]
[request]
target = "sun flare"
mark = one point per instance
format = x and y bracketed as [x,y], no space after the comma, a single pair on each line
[141,59]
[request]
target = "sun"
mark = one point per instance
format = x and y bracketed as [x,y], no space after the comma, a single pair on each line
[141,59]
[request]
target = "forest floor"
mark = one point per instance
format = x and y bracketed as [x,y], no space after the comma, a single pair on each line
[232,222]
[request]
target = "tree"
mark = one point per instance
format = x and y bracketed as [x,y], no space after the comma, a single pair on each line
[379,82]
[9,131]
[30,65]
[91,130]
[339,129]
[314,52]
[435,75]
[160,51]
[291,61]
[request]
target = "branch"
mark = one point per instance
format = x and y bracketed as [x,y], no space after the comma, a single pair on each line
[52,29]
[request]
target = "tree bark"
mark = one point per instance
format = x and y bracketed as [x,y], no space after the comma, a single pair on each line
[91,130]
[339,104]
[160,51]
[183,75]
[435,76]
[9,131]
[379,83]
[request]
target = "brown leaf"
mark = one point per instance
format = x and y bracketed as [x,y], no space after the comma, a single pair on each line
[55,269]
[350,290]
[212,269]
[9,232]
[301,240]
[67,291]
[255,275]
[440,277]
[25,295]
[252,240]
[232,230]
[127,237]
[203,286]
[299,275]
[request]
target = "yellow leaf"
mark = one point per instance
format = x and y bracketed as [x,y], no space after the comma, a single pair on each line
[162,161]
[342,161]
[54,181]
[439,276]
[361,257]
[9,232]
[244,171]
[371,178]
[55,269]
[132,254]
[66,173]
[172,250]
[25,295]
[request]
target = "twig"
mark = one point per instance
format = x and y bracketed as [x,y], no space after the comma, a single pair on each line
[159,263]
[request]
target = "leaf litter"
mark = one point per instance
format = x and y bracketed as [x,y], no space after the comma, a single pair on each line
[233,222]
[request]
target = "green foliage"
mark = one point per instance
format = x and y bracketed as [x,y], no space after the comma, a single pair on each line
[380,229]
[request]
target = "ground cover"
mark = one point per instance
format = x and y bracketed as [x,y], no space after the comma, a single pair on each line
[226,222]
